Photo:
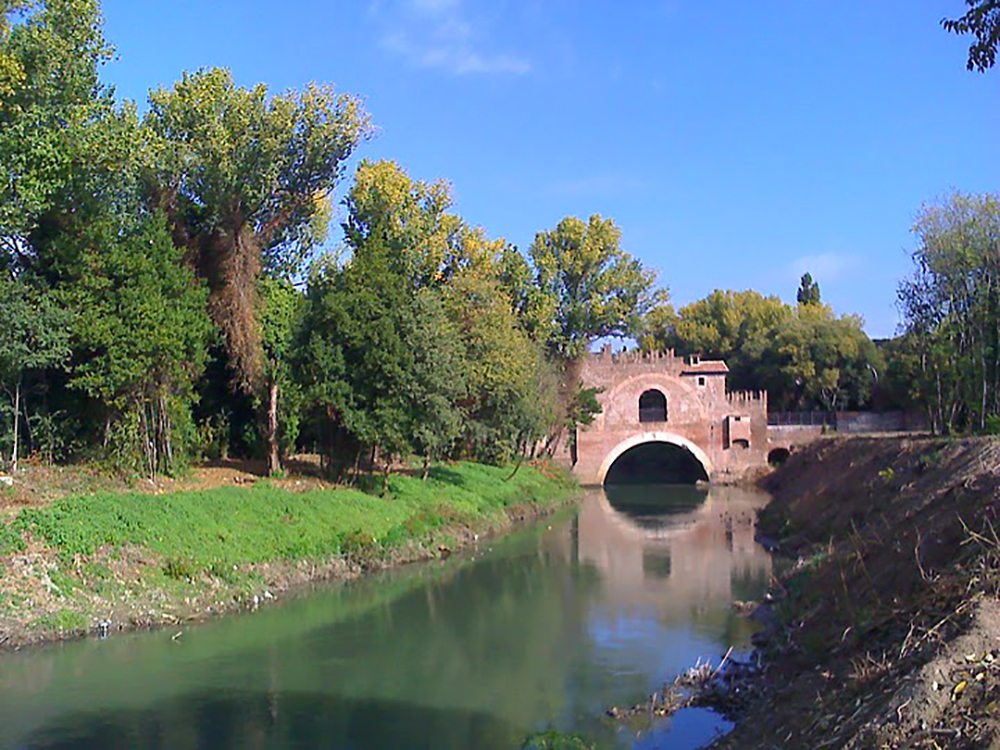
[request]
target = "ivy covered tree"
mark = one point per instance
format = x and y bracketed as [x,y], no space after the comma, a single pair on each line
[245,180]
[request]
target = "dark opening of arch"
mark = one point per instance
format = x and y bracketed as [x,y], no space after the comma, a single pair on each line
[778,456]
[646,506]
[652,407]
[656,463]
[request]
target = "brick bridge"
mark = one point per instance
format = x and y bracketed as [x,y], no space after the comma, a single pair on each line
[655,397]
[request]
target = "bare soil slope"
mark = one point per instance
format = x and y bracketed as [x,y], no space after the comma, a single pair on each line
[887,629]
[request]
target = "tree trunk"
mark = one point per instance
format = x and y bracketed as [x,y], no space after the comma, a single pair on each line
[17,414]
[385,476]
[273,453]
[427,468]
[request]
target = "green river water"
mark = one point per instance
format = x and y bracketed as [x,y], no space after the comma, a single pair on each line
[544,629]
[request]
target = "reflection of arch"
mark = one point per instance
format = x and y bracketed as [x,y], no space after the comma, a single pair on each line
[653,437]
[652,406]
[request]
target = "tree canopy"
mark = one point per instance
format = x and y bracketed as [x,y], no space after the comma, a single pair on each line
[982,20]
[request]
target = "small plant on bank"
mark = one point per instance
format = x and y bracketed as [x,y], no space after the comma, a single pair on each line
[360,548]
[554,740]
[11,540]
[63,621]
[179,569]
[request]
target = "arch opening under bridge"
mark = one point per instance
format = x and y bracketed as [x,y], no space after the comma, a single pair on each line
[655,457]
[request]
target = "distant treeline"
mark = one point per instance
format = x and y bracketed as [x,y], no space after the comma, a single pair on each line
[164,293]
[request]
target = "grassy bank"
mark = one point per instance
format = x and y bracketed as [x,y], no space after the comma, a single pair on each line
[137,559]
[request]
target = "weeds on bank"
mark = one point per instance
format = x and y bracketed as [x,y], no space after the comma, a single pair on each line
[554,740]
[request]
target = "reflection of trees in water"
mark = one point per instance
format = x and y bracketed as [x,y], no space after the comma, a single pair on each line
[684,551]
[244,719]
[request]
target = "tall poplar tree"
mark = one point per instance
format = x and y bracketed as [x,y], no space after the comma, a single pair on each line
[245,179]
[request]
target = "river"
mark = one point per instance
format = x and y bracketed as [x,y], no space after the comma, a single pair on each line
[544,629]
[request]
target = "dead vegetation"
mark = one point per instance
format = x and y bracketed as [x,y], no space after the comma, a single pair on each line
[887,629]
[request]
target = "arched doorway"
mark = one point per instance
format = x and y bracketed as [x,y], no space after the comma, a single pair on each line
[655,458]
[778,456]
[652,406]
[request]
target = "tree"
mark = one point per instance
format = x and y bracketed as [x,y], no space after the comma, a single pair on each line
[512,393]
[983,21]
[735,326]
[594,289]
[407,218]
[245,179]
[437,381]
[951,310]
[35,336]
[282,307]
[599,289]
[140,336]
[803,356]
[51,101]
[808,293]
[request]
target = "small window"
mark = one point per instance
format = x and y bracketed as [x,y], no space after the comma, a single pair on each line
[701,381]
[738,419]
[652,407]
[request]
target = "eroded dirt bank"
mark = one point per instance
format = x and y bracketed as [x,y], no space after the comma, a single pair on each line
[886,628]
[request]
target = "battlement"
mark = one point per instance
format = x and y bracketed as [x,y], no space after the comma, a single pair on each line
[747,397]
[663,361]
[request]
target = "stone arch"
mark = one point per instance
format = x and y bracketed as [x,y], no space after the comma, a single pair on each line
[653,437]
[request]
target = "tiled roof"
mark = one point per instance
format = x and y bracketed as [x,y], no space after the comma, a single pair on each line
[706,367]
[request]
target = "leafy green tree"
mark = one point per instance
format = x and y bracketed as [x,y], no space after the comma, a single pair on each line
[598,288]
[51,107]
[245,179]
[808,293]
[35,336]
[982,20]
[437,381]
[407,218]
[140,336]
[735,326]
[594,289]
[513,395]
[951,310]
[803,356]
[282,307]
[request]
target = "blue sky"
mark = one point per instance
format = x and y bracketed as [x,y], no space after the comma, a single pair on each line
[736,144]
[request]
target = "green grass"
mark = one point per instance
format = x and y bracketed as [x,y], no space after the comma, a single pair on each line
[212,529]
[62,620]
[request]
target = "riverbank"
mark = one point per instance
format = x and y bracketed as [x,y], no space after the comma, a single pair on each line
[885,632]
[123,560]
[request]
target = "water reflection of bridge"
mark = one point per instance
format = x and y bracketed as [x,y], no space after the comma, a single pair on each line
[701,555]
